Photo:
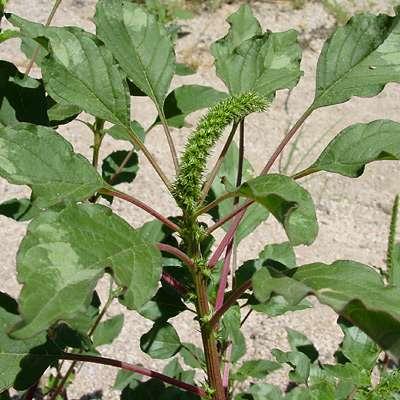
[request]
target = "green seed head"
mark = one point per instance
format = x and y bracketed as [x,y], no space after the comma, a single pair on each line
[188,184]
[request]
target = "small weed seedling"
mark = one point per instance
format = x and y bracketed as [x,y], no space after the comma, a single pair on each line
[174,264]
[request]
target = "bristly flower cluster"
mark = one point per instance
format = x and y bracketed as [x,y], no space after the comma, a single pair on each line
[188,184]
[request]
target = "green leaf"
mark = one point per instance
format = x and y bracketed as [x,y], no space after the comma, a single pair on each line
[186,99]
[359,59]
[55,176]
[358,145]
[230,324]
[148,390]
[226,179]
[108,330]
[8,34]
[120,133]
[395,269]
[192,356]
[111,166]
[276,255]
[357,347]
[81,72]
[19,209]
[184,70]
[257,369]
[126,378]
[298,361]
[290,204]
[56,253]
[175,370]
[140,44]
[243,26]
[60,113]
[357,292]
[161,341]
[12,352]
[278,305]
[164,305]
[300,342]
[22,99]
[263,64]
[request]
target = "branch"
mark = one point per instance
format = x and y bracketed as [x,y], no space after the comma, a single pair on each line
[224,276]
[171,281]
[231,299]
[169,139]
[242,210]
[176,252]
[134,368]
[136,141]
[143,206]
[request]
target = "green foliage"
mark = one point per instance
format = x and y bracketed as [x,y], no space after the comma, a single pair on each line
[171,265]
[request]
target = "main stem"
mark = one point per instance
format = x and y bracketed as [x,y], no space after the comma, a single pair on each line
[192,246]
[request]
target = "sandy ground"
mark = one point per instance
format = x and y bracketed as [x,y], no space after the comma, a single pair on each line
[353,214]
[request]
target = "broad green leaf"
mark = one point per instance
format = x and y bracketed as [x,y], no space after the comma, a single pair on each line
[243,26]
[161,341]
[60,113]
[19,209]
[265,285]
[278,305]
[230,324]
[359,59]
[300,342]
[226,179]
[257,369]
[22,99]
[107,331]
[357,347]
[183,69]
[56,175]
[262,391]
[298,361]
[192,356]
[148,390]
[67,252]
[273,255]
[264,64]
[120,133]
[8,34]
[357,292]
[29,31]
[12,352]
[175,370]
[358,145]
[164,305]
[186,99]
[140,44]
[290,204]
[81,72]
[125,378]
[111,171]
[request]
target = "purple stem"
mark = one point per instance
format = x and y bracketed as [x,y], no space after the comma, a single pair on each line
[135,368]
[224,276]
[178,286]
[176,252]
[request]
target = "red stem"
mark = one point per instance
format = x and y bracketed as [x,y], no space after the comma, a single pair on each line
[242,210]
[224,276]
[178,286]
[176,252]
[232,298]
[143,206]
[134,368]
